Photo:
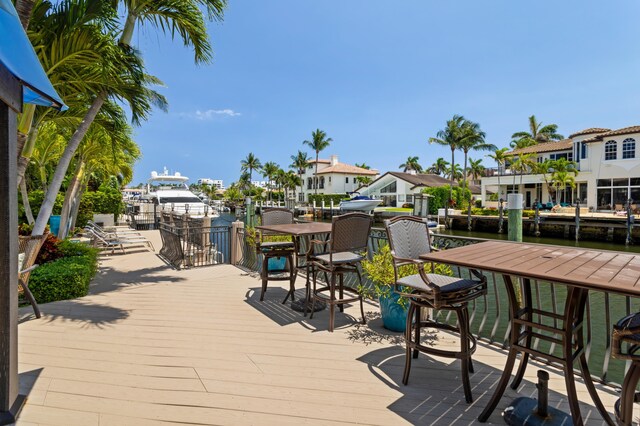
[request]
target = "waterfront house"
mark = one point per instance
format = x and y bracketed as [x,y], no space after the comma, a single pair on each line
[333,177]
[398,188]
[608,167]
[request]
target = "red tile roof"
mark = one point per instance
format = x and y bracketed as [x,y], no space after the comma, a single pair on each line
[623,131]
[589,131]
[348,169]
[562,145]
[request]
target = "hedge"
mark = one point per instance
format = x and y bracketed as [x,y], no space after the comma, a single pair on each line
[440,195]
[67,277]
[327,199]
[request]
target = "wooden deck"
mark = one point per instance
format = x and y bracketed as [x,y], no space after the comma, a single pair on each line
[152,345]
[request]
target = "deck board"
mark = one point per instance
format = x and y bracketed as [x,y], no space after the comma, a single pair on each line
[155,346]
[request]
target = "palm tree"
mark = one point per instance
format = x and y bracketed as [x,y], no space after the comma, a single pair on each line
[476,169]
[454,173]
[537,133]
[439,167]
[292,181]
[300,162]
[560,179]
[411,164]
[179,18]
[451,136]
[318,142]
[500,156]
[522,163]
[269,170]
[250,164]
[473,139]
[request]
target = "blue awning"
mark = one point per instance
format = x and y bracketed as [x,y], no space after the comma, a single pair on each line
[18,56]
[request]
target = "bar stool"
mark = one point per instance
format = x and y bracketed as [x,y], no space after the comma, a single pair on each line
[625,345]
[277,249]
[347,248]
[409,238]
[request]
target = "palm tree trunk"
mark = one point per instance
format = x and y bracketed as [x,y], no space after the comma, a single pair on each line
[76,205]
[63,164]
[27,151]
[25,202]
[315,175]
[69,197]
[24,8]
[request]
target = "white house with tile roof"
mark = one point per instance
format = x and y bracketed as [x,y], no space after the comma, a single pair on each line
[333,177]
[608,164]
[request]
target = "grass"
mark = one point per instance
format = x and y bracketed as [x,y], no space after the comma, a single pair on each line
[394,209]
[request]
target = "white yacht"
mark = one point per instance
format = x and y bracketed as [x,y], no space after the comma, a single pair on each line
[171,193]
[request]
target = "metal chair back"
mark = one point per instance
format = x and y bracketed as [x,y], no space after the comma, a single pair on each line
[408,236]
[350,232]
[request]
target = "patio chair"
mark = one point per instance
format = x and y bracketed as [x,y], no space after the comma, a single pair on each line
[347,248]
[277,249]
[625,346]
[409,238]
[28,247]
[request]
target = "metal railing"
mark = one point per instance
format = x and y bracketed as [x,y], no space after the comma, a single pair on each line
[489,315]
[191,244]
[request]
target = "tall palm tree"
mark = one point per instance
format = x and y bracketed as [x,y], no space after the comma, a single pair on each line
[439,167]
[411,164]
[521,164]
[318,142]
[269,170]
[300,162]
[250,164]
[500,156]
[178,18]
[451,136]
[473,139]
[537,133]
[476,169]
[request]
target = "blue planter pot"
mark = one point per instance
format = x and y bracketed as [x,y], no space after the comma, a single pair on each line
[54,224]
[277,263]
[394,316]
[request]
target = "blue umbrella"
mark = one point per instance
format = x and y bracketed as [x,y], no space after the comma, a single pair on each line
[18,56]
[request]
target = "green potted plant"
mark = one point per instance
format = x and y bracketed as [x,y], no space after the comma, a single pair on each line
[393,307]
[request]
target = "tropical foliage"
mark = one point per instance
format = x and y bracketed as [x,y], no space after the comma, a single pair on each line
[537,133]
[319,142]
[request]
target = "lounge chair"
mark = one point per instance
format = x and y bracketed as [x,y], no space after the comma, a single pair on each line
[28,247]
[117,242]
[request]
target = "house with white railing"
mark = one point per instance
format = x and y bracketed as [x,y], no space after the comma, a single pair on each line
[333,177]
[608,165]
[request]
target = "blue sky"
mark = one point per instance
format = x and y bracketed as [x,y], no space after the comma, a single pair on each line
[381,77]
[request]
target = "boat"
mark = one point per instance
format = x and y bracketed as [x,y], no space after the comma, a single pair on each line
[360,203]
[171,193]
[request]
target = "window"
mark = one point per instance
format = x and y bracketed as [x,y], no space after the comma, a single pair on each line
[583,150]
[611,150]
[346,180]
[389,188]
[329,179]
[629,148]
[321,182]
[309,183]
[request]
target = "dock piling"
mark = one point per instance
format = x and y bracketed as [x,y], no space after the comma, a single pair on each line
[515,217]
[577,220]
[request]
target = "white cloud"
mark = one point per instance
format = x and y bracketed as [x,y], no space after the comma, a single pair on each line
[210,114]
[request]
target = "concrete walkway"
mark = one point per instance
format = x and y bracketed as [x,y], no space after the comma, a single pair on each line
[151,346]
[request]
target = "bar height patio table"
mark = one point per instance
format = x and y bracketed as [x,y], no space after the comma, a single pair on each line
[580,270]
[297,232]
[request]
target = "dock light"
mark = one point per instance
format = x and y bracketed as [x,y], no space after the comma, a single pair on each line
[206,210]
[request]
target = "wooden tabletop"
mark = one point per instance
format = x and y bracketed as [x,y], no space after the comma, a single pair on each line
[298,229]
[609,271]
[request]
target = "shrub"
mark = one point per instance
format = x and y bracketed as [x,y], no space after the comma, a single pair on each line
[440,195]
[65,278]
[49,250]
[407,206]
[380,271]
